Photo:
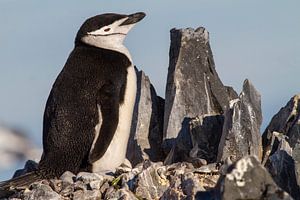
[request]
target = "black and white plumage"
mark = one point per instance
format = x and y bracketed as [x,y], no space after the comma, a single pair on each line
[88,113]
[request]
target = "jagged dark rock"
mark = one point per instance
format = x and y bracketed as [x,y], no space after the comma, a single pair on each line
[193,86]
[286,122]
[198,140]
[206,132]
[282,167]
[147,123]
[29,166]
[241,132]
[248,179]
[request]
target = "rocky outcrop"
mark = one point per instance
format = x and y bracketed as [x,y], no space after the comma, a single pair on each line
[241,132]
[248,179]
[282,165]
[287,123]
[147,124]
[193,85]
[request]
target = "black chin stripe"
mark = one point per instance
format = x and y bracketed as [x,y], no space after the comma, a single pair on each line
[107,35]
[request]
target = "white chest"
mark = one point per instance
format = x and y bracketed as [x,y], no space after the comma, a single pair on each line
[116,152]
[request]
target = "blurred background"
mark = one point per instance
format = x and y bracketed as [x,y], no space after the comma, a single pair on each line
[259,40]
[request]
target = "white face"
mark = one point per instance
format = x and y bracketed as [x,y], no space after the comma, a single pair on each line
[110,36]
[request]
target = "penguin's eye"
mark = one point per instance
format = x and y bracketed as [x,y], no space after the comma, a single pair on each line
[107,29]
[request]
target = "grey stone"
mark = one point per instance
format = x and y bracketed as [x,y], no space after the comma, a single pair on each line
[296,157]
[104,187]
[282,167]
[147,125]
[87,177]
[67,190]
[41,191]
[87,195]
[79,185]
[248,179]
[193,86]
[198,140]
[286,122]
[56,185]
[123,194]
[151,182]
[68,177]
[241,132]
[95,185]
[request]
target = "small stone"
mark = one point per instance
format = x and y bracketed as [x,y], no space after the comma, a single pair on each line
[78,185]
[104,187]
[68,177]
[79,194]
[41,192]
[67,190]
[151,184]
[56,185]
[95,185]
[123,194]
[87,177]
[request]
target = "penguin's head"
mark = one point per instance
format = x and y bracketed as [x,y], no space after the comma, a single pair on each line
[107,30]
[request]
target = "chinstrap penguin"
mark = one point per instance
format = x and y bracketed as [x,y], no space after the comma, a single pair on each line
[88,113]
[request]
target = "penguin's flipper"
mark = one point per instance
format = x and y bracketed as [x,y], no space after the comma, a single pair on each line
[109,102]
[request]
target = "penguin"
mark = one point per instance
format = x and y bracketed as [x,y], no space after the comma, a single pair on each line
[88,113]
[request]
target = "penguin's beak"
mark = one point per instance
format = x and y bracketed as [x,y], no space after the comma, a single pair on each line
[133,18]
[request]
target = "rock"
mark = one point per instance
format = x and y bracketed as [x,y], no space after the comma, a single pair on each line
[182,146]
[198,140]
[151,182]
[193,86]
[68,177]
[286,122]
[87,195]
[206,132]
[87,177]
[123,194]
[41,191]
[56,185]
[281,166]
[241,132]
[30,166]
[147,123]
[296,157]
[67,190]
[248,179]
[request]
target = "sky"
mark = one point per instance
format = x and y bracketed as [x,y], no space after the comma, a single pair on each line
[258,40]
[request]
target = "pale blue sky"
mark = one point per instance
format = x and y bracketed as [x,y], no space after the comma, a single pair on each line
[259,40]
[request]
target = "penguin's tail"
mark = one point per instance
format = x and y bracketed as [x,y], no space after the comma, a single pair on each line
[9,187]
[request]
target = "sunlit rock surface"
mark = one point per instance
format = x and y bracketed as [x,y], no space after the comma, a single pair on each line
[193,85]
[145,140]
[241,132]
